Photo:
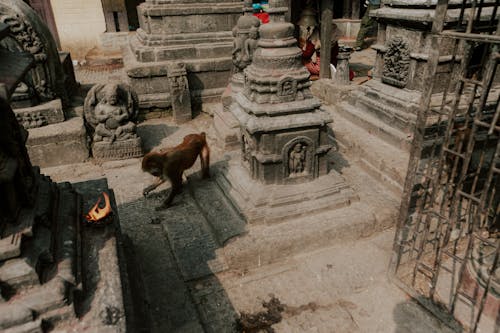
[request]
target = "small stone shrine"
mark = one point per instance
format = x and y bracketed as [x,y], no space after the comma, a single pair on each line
[284,136]
[197,34]
[110,111]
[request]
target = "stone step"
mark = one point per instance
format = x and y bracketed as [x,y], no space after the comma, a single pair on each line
[386,163]
[193,244]
[224,220]
[30,327]
[13,315]
[18,273]
[10,246]
[382,109]
[375,126]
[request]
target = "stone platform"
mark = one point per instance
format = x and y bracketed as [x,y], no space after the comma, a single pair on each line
[58,144]
[279,203]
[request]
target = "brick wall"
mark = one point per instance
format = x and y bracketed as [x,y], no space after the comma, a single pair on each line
[79,24]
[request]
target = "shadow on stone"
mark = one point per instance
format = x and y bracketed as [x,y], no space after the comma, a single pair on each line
[178,252]
[152,135]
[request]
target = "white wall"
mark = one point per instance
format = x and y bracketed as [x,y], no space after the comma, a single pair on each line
[79,24]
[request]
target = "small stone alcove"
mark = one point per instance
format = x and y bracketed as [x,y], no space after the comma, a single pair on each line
[298,159]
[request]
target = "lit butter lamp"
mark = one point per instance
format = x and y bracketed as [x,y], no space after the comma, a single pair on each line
[100,216]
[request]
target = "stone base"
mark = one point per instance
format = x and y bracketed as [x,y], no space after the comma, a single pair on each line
[385,111]
[227,129]
[268,204]
[330,92]
[207,79]
[117,150]
[58,144]
[41,115]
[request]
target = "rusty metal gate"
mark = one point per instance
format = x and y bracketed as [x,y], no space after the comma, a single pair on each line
[447,244]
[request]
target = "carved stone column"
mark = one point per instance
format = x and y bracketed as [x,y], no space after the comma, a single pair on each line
[342,74]
[179,93]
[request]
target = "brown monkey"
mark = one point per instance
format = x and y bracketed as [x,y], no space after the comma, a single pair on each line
[171,162]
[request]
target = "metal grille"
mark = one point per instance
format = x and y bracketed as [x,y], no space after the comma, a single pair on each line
[447,244]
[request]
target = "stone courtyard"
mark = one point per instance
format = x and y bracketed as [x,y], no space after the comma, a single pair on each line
[180,272]
[339,190]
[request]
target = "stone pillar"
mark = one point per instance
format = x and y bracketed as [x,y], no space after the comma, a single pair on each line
[342,74]
[326,38]
[179,93]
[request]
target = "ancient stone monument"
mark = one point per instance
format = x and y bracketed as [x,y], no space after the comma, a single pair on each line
[110,111]
[284,136]
[54,273]
[43,94]
[172,31]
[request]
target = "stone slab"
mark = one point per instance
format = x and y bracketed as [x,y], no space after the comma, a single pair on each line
[18,273]
[117,150]
[58,144]
[12,315]
[227,129]
[261,203]
[10,247]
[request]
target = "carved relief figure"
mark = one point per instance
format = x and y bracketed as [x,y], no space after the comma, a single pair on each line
[250,45]
[396,62]
[247,149]
[297,159]
[110,109]
[245,33]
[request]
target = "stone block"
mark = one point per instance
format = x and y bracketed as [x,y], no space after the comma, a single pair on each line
[118,149]
[13,315]
[58,144]
[10,247]
[41,115]
[18,273]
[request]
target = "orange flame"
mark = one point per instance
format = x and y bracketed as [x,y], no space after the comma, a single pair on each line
[96,213]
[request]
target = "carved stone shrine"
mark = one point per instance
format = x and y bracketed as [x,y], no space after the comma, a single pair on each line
[284,136]
[197,34]
[110,111]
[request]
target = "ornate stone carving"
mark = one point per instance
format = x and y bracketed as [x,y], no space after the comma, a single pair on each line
[179,92]
[297,159]
[109,112]
[246,34]
[396,62]
[287,89]
[32,120]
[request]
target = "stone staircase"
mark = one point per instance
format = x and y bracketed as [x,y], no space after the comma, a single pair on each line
[43,284]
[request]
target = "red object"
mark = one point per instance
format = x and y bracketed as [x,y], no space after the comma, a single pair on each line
[263,17]
[351,74]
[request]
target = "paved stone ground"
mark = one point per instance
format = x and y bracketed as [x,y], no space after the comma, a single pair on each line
[341,288]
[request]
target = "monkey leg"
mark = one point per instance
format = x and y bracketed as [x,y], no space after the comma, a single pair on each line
[205,161]
[151,187]
[176,189]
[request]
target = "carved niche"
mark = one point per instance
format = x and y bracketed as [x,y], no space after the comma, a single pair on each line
[298,157]
[287,89]
[396,62]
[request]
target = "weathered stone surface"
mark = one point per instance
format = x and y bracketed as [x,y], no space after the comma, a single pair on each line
[12,315]
[198,35]
[56,144]
[10,247]
[40,115]
[18,273]
[179,92]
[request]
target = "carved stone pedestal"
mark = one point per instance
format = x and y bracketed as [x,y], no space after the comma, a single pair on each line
[117,150]
[196,34]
